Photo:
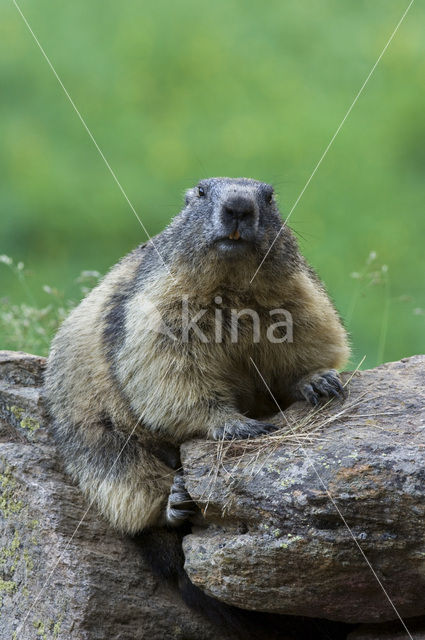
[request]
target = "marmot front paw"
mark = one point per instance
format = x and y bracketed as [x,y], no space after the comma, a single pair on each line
[242,429]
[180,505]
[324,384]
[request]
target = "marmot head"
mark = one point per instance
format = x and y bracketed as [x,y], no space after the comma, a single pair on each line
[226,229]
[233,217]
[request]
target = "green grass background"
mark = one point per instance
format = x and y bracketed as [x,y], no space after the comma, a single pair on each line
[176,91]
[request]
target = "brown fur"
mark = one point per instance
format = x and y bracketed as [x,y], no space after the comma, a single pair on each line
[161,392]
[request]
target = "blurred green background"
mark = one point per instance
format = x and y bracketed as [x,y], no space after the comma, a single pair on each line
[177,91]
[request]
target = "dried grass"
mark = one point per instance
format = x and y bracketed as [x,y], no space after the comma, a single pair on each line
[295,433]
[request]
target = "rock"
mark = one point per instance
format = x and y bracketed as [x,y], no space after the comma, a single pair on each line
[64,574]
[273,538]
[320,523]
[390,631]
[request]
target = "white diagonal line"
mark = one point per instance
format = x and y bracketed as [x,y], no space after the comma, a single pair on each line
[22,625]
[312,465]
[83,122]
[341,124]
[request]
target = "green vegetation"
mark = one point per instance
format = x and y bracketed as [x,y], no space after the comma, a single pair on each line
[178,91]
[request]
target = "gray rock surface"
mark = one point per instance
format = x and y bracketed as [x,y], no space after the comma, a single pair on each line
[59,579]
[274,540]
[390,631]
[307,524]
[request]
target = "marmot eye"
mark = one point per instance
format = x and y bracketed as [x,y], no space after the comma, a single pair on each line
[269,198]
[201,192]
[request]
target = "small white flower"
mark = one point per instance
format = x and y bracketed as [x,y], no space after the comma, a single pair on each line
[6,260]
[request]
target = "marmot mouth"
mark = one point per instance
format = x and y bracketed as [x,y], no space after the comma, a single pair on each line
[233,246]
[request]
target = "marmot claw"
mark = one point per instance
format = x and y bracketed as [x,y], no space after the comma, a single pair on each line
[242,429]
[325,384]
[180,505]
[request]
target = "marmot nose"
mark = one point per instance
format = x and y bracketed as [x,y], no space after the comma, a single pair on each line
[238,208]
